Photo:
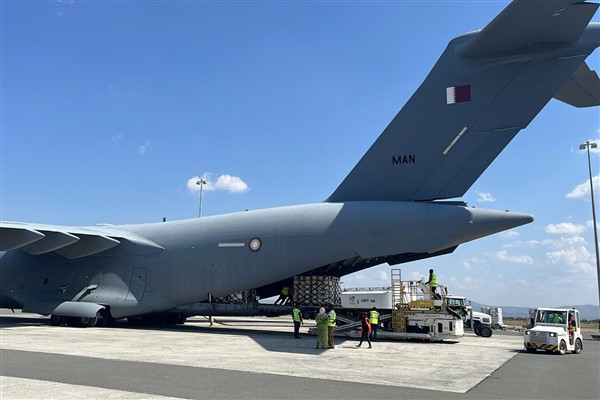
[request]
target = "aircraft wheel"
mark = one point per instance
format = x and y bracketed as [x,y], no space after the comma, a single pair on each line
[56,320]
[87,322]
[562,348]
[485,331]
[105,319]
[578,346]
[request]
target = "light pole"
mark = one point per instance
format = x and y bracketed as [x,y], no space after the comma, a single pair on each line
[200,182]
[586,146]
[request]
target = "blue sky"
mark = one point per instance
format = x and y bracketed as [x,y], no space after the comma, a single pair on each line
[110,110]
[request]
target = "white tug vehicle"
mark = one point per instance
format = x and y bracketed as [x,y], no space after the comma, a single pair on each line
[554,330]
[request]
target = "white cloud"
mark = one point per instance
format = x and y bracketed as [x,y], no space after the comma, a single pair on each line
[232,184]
[583,189]
[565,228]
[504,256]
[382,275]
[510,234]
[570,254]
[416,275]
[116,138]
[469,264]
[143,148]
[464,283]
[59,6]
[485,197]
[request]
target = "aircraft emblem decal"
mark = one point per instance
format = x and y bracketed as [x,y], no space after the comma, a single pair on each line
[255,244]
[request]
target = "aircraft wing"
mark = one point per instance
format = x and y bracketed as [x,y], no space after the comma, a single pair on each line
[524,23]
[70,242]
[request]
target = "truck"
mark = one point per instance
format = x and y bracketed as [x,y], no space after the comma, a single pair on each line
[554,330]
[481,323]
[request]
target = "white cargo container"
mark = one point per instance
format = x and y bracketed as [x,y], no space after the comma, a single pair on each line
[367,298]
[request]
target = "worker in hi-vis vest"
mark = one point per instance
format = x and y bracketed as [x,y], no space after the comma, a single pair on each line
[283,295]
[330,327]
[432,282]
[297,317]
[374,320]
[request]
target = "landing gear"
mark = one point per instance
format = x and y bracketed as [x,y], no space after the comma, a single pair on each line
[102,318]
[158,319]
[87,322]
[57,320]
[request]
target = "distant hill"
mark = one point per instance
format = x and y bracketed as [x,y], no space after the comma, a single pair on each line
[587,311]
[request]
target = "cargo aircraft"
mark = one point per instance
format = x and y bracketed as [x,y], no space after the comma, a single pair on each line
[392,207]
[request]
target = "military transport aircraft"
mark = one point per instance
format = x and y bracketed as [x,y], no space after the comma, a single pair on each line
[485,88]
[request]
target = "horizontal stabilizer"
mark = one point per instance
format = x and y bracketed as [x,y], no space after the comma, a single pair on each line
[525,23]
[582,89]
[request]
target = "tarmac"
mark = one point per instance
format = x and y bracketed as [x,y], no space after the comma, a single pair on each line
[258,358]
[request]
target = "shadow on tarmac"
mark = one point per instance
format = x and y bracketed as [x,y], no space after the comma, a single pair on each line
[270,340]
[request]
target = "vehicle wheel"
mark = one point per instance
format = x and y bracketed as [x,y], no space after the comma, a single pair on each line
[578,346]
[562,348]
[485,331]
[477,330]
[87,322]
[531,349]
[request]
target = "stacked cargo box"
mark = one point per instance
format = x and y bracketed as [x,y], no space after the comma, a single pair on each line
[495,313]
[317,290]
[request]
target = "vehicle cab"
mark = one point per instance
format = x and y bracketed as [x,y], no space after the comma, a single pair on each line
[554,330]
[481,322]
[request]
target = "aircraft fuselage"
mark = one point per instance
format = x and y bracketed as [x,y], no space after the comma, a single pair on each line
[223,254]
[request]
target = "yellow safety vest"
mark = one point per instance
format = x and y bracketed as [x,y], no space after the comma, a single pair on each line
[332,318]
[285,291]
[433,281]
[296,314]
[374,317]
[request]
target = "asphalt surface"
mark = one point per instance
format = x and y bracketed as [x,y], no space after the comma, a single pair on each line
[253,358]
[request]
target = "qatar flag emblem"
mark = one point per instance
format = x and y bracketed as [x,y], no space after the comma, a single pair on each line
[458,94]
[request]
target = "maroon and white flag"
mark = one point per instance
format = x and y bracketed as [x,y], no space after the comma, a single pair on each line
[458,94]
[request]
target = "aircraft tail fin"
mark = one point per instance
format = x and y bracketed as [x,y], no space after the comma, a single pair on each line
[485,88]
